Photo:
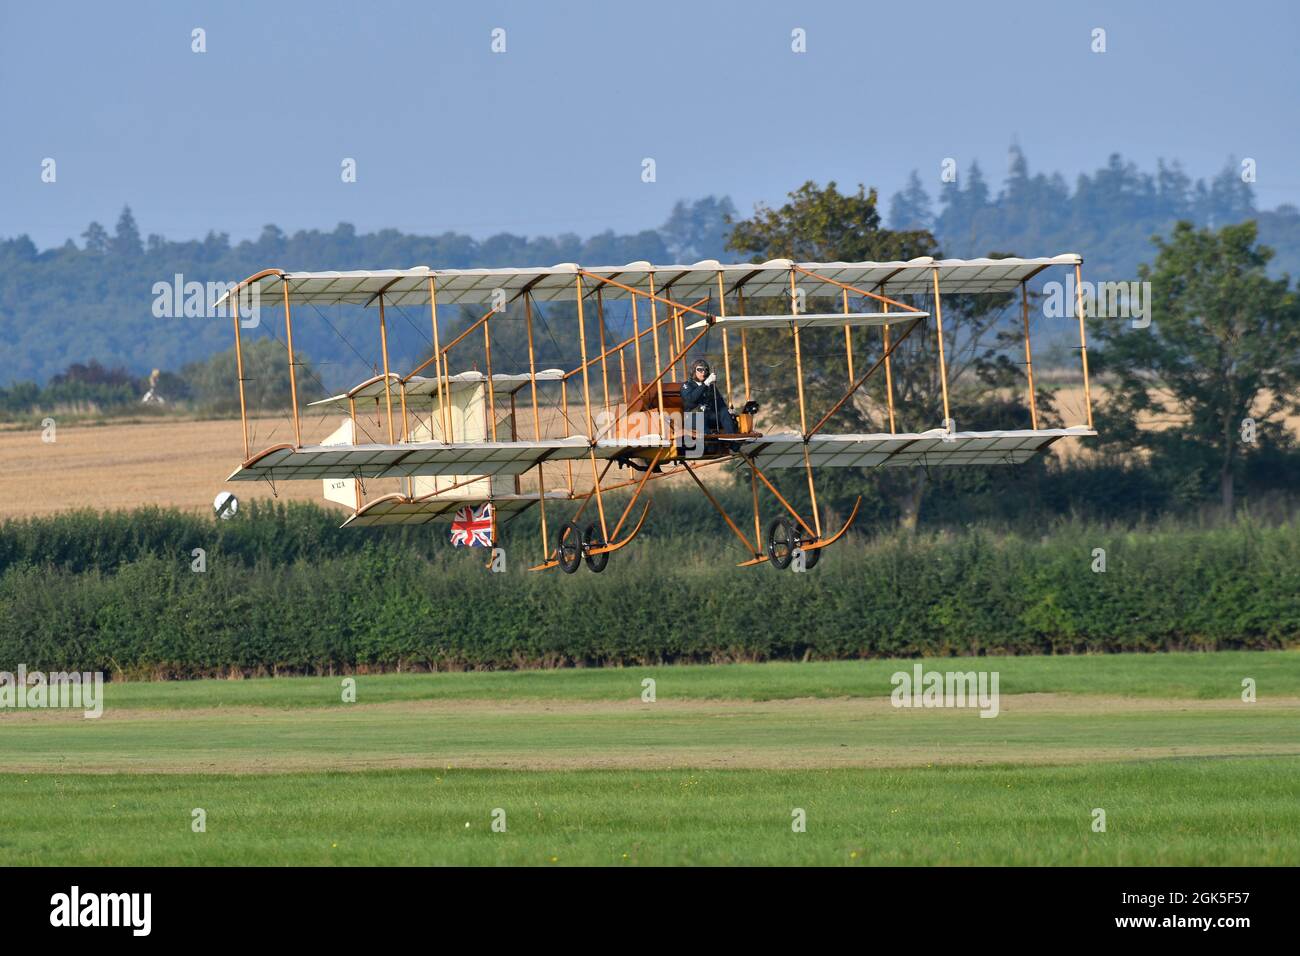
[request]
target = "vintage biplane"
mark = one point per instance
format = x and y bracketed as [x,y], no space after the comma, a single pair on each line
[456,438]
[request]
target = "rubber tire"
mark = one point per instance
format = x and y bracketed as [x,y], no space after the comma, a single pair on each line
[781,543]
[568,548]
[592,538]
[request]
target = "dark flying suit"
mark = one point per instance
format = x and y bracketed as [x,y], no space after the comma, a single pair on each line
[698,397]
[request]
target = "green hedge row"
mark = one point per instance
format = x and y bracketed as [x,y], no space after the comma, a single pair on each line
[384,605]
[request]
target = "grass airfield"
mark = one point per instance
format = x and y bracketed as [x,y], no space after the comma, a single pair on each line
[711,772]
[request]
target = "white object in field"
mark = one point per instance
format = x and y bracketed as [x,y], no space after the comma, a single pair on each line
[151,397]
[342,491]
[225,505]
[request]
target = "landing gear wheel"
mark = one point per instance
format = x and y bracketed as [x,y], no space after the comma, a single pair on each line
[781,542]
[568,548]
[810,557]
[592,538]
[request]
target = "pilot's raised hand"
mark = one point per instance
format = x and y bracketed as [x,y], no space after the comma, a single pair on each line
[713,377]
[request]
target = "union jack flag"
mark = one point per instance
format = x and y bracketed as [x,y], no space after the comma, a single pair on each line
[472,527]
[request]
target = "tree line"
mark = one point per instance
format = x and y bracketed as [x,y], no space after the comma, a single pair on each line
[92,299]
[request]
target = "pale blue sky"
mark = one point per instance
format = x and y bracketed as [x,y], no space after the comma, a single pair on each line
[549,136]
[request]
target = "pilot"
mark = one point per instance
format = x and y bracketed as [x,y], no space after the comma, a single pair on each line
[701,395]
